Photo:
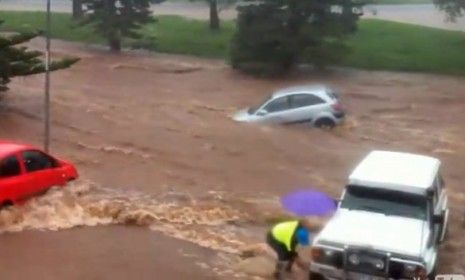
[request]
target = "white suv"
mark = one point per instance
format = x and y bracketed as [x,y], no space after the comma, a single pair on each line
[317,105]
[390,220]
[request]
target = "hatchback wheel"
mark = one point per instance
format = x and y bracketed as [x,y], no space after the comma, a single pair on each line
[325,123]
[6,204]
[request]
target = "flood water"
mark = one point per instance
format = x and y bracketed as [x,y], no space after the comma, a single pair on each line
[172,187]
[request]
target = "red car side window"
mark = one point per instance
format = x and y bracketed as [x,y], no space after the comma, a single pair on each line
[35,161]
[9,167]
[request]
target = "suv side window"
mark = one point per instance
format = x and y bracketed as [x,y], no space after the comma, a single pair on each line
[35,161]
[440,181]
[437,187]
[304,100]
[9,167]
[279,104]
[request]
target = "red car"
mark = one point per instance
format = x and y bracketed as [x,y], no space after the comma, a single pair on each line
[25,171]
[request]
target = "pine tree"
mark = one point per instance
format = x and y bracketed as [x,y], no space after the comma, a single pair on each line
[19,61]
[453,8]
[274,35]
[117,19]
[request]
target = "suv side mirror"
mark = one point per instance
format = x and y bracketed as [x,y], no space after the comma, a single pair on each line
[430,193]
[438,219]
[262,112]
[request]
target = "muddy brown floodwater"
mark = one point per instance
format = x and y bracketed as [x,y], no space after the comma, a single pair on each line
[172,188]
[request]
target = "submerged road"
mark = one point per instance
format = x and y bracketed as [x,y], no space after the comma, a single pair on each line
[112,252]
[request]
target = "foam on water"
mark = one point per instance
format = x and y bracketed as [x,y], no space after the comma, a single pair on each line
[207,221]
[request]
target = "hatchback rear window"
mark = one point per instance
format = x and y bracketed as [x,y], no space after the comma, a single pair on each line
[10,167]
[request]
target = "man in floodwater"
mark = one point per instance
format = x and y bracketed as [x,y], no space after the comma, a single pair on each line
[283,238]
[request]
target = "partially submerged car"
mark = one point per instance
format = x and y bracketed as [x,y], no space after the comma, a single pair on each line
[26,171]
[390,221]
[316,105]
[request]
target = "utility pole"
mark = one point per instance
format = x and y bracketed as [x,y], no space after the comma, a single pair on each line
[47,81]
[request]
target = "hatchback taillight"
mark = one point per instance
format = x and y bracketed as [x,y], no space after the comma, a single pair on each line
[337,107]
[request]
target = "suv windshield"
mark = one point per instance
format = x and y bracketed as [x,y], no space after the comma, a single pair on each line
[387,202]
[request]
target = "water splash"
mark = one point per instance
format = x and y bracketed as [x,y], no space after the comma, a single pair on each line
[207,221]
[233,227]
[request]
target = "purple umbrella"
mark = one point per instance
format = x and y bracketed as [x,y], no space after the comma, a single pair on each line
[308,203]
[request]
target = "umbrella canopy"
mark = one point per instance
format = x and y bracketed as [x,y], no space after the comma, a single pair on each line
[308,203]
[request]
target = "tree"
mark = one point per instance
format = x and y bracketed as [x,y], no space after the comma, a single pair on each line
[19,61]
[77,9]
[274,35]
[453,8]
[215,7]
[214,15]
[117,19]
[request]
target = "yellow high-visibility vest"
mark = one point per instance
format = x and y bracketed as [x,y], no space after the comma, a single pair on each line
[283,232]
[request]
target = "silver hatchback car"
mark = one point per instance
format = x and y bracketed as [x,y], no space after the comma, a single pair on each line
[317,105]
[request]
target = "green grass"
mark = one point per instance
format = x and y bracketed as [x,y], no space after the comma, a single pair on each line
[387,45]
[185,36]
[173,34]
[63,26]
[391,2]
[380,45]
[399,2]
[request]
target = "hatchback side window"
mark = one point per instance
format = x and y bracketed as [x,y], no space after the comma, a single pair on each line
[304,100]
[35,161]
[279,104]
[10,167]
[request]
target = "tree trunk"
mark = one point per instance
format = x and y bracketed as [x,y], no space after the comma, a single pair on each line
[214,17]
[115,44]
[77,9]
[347,15]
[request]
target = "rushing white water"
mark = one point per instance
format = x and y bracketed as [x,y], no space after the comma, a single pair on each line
[214,220]
[207,221]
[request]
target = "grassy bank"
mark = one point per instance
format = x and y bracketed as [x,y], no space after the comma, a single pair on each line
[383,2]
[387,45]
[63,26]
[378,44]
[185,36]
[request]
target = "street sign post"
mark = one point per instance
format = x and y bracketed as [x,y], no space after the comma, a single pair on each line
[47,81]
